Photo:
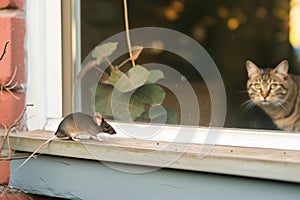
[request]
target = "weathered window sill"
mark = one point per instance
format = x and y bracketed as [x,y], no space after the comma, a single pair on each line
[276,164]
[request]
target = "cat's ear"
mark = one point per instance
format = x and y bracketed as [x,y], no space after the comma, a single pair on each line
[252,69]
[282,69]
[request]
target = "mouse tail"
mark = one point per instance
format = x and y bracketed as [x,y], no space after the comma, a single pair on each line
[39,148]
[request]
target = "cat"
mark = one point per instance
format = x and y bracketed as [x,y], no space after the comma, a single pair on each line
[277,93]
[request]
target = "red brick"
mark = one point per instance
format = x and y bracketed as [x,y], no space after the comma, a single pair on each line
[12,26]
[12,4]
[4,172]
[10,107]
[14,196]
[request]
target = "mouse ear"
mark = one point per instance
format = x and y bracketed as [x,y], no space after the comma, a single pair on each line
[98,118]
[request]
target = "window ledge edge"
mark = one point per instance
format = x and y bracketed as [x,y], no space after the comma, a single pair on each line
[263,163]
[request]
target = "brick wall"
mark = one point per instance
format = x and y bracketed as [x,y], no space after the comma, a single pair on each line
[12,68]
[12,65]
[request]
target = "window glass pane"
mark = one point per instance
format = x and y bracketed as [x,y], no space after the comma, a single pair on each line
[232,32]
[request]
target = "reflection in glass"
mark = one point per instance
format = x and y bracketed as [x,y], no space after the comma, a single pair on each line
[231,32]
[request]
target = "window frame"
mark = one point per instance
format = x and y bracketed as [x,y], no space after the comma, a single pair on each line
[71,55]
[44,62]
[53,57]
[52,99]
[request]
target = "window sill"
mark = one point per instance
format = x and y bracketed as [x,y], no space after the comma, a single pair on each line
[275,164]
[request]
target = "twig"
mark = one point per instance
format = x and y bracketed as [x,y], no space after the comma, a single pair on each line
[127,31]
[13,77]
[8,143]
[16,123]
[110,64]
[123,63]
[4,50]
[15,158]
[8,86]
[136,51]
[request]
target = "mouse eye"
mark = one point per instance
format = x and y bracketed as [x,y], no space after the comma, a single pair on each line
[106,126]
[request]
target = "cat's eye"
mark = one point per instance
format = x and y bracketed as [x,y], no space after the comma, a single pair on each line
[257,86]
[274,86]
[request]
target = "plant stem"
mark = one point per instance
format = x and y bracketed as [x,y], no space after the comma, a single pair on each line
[123,63]
[127,31]
[110,64]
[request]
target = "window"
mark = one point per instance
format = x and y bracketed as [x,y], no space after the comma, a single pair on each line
[227,30]
[230,31]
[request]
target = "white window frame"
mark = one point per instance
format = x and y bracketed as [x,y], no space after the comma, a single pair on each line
[44,45]
[44,61]
[45,86]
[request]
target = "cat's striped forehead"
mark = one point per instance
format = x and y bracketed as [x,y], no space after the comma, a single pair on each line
[266,76]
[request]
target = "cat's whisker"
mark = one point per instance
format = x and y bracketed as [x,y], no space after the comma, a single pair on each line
[248,105]
[285,105]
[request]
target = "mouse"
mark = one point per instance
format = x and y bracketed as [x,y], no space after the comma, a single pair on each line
[80,123]
[75,124]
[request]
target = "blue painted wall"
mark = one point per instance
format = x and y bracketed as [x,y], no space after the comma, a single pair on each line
[84,179]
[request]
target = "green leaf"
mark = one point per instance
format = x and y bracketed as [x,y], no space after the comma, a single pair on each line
[115,77]
[162,114]
[126,106]
[171,116]
[103,99]
[137,76]
[136,108]
[104,50]
[155,75]
[151,94]
[158,114]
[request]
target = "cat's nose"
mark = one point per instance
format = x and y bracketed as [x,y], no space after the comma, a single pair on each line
[264,93]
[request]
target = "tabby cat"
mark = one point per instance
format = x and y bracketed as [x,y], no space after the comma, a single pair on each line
[277,93]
